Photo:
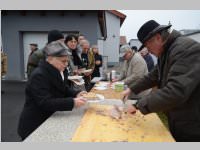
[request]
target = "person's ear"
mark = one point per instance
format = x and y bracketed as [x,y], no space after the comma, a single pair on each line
[50,58]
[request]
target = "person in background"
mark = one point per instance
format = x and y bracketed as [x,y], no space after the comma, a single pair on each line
[98,61]
[71,42]
[88,62]
[74,54]
[46,91]
[134,48]
[147,57]
[133,69]
[80,38]
[3,63]
[30,65]
[177,78]
[3,66]
[39,55]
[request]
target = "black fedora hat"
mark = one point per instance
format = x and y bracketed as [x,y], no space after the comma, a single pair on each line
[148,29]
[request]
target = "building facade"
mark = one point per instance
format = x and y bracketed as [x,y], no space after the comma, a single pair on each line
[20,28]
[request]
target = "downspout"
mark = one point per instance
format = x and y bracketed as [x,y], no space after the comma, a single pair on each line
[104,25]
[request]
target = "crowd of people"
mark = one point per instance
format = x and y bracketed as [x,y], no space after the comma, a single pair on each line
[175,76]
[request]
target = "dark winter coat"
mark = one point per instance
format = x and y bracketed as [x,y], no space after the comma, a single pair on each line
[96,72]
[46,92]
[178,78]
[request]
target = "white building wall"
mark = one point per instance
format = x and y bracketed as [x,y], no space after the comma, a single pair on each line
[111,44]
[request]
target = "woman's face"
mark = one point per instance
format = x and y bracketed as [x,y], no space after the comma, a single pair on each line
[72,44]
[95,50]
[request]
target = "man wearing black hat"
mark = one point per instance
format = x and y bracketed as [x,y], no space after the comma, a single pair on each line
[36,56]
[47,91]
[177,77]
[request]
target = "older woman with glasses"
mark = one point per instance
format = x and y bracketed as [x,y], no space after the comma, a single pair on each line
[47,91]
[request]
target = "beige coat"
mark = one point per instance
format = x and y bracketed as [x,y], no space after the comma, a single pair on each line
[134,69]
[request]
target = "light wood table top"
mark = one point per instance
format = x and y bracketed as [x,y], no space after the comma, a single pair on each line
[108,93]
[95,127]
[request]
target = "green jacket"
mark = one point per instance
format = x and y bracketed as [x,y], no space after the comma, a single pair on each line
[34,60]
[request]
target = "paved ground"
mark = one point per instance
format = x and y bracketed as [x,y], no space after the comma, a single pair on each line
[12,102]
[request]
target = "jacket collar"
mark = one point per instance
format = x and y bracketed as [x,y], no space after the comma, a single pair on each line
[172,37]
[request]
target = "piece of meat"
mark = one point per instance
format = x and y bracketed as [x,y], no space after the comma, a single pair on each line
[116,112]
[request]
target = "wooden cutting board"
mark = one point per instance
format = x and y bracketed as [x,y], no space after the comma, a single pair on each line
[96,127]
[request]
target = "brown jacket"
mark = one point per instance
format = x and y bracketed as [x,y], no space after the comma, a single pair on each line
[3,64]
[177,76]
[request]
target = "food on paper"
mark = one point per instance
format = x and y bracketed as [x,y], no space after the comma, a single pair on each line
[100,88]
[90,95]
[93,97]
[78,80]
[116,112]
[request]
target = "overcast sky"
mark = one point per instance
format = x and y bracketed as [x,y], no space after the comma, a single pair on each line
[180,19]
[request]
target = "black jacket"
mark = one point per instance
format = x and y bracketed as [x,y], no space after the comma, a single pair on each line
[46,93]
[96,72]
[178,78]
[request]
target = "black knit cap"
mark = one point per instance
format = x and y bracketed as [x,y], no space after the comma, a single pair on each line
[54,35]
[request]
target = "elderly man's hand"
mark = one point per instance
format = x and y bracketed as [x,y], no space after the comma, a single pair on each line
[81,93]
[126,92]
[131,109]
[79,101]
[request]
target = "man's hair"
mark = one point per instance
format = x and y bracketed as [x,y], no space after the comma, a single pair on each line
[164,34]
[81,35]
[84,41]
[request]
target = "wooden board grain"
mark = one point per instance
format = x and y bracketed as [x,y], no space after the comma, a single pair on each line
[95,127]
